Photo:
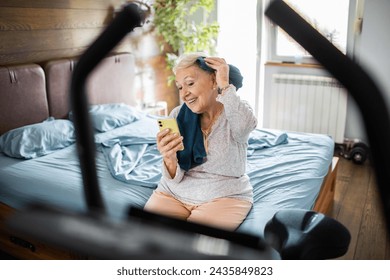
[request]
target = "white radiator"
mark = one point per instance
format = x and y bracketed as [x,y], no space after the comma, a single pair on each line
[307,103]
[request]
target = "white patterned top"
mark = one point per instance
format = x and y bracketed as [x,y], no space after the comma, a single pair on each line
[223,173]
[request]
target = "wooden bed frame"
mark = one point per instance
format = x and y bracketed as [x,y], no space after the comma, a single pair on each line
[49,97]
[324,201]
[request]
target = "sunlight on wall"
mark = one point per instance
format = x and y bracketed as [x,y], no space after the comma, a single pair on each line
[237,42]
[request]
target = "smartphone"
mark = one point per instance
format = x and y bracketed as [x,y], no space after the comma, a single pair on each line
[169,123]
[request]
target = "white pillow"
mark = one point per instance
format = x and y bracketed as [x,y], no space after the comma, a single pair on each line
[106,117]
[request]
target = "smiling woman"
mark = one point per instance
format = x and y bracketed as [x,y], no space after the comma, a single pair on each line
[197,88]
[215,125]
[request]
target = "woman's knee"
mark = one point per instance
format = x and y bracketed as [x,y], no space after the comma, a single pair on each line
[225,213]
[164,204]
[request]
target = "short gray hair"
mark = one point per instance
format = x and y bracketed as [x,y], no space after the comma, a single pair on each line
[186,60]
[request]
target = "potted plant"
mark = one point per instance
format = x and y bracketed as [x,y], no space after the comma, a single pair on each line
[180,30]
[174,27]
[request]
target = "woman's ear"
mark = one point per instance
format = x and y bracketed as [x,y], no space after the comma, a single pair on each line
[214,79]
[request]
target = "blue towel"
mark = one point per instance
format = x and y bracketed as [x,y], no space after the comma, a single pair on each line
[194,152]
[235,77]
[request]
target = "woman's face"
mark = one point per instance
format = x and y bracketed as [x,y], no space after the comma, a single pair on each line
[196,88]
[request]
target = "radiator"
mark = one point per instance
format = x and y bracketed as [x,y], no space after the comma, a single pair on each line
[307,103]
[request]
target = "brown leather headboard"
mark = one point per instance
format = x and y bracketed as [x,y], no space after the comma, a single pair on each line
[111,82]
[23,97]
[30,94]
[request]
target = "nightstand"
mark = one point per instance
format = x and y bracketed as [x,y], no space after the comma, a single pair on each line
[159,108]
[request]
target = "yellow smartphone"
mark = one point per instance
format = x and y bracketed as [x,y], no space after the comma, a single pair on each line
[171,124]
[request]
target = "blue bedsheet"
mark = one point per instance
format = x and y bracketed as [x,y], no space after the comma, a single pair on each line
[131,152]
[132,156]
[286,176]
[56,180]
[285,169]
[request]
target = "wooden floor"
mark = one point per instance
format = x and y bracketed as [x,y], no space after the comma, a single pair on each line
[357,206]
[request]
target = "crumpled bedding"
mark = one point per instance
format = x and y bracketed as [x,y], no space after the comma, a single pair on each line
[286,170]
[132,156]
[131,152]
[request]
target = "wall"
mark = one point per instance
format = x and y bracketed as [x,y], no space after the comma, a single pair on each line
[41,30]
[237,44]
[373,54]
[37,31]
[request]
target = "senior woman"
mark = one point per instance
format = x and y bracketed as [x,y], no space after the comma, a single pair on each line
[206,182]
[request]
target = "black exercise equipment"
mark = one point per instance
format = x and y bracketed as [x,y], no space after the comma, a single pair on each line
[353,149]
[150,236]
[306,235]
[359,84]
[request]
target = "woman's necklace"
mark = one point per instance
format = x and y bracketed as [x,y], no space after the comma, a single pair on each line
[206,132]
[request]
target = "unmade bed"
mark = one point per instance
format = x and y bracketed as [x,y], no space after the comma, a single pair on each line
[39,163]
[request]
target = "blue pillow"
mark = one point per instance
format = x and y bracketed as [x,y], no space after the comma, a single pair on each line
[106,117]
[39,139]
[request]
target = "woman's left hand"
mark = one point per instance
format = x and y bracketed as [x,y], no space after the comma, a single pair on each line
[221,68]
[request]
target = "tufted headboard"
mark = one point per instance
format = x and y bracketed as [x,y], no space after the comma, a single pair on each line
[111,82]
[23,98]
[31,93]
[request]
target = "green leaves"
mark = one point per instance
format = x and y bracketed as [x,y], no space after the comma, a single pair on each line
[185,26]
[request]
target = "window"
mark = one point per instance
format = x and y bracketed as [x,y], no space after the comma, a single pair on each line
[329,17]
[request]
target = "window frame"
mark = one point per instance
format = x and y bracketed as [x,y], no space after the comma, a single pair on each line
[352,35]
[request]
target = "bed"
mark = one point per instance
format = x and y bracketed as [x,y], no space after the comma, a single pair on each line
[39,163]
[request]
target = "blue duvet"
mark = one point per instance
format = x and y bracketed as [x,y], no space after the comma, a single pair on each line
[131,152]
[286,170]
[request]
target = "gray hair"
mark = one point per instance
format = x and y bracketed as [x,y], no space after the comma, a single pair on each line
[186,60]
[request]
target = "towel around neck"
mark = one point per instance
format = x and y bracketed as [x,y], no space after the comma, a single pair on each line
[194,152]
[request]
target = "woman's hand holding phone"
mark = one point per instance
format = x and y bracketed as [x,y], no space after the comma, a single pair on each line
[169,141]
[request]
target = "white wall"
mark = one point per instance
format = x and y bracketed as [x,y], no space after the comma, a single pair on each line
[373,54]
[237,42]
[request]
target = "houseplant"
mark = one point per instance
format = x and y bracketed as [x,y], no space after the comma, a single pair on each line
[184,26]
[174,27]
